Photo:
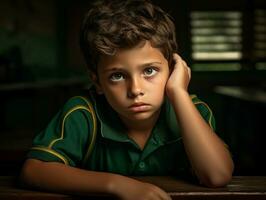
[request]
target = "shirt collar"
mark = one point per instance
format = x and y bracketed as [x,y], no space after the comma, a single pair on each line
[165,131]
[111,126]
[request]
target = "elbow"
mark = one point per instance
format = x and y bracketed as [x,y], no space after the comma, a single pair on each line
[218,179]
[27,173]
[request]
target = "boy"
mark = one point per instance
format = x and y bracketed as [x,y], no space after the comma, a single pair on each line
[138,119]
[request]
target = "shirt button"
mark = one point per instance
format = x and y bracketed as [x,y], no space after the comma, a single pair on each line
[142,165]
[157,138]
[154,141]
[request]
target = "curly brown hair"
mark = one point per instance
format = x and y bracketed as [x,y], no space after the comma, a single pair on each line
[110,25]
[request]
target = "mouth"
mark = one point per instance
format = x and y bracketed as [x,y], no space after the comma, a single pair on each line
[139,107]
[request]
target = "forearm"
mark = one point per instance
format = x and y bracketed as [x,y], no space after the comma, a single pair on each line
[208,155]
[58,177]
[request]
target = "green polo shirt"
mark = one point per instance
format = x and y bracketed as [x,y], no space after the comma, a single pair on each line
[88,133]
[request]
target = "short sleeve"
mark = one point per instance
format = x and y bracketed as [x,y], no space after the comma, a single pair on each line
[205,111]
[66,137]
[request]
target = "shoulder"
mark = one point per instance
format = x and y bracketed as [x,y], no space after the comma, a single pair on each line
[78,104]
[201,105]
[204,110]
[76,114]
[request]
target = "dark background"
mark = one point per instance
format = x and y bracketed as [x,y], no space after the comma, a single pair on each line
[41,67]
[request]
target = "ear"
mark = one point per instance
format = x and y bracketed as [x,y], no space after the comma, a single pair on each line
[96,83]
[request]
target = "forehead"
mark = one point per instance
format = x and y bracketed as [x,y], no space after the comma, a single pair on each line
[138,55]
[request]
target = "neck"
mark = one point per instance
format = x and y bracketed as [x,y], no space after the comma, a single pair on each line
[140,131]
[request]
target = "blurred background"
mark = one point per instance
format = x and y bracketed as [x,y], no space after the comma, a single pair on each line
[224,42]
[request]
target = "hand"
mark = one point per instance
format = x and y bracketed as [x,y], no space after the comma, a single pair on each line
[179,78]
[131,189]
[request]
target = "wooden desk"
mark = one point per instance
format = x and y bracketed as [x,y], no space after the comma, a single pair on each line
[240,188]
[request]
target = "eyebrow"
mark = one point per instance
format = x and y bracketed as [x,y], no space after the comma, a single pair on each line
[150,63]
[140,66]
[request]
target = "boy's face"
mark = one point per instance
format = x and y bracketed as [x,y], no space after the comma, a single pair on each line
[133,82]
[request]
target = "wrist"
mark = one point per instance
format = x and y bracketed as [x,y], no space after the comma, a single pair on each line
[119,185]
[177,94]
[111,184]
[116,183]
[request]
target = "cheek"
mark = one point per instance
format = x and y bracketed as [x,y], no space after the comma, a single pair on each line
[160,84]
[160,81]
[158,88]
[113,95]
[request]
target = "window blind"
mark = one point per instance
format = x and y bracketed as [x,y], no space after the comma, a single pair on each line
[216,39]
[260,39]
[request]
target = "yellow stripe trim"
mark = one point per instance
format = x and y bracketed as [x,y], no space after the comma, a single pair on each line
[83,98]
[63,124]
[211,115]
[94,132]
[51,152]
[192,96]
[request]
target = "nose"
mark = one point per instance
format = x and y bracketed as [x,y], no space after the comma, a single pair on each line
[135,88]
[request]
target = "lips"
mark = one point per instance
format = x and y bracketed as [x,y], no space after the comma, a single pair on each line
[139,107]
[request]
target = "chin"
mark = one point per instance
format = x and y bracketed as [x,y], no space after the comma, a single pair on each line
[140,116]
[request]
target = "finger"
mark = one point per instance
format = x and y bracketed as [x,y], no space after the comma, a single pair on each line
[187,68]
[166,197]
[177,59]
[176,56]
[184,63]
[163,195]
